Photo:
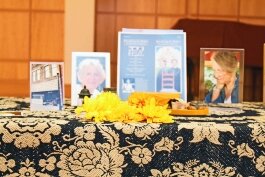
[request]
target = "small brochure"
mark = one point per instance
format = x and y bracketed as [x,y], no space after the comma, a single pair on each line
[46,86]
[90,70]
[151,60]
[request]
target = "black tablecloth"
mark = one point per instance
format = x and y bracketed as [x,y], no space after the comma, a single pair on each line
[229,142]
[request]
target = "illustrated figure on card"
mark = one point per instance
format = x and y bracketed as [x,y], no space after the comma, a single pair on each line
[169,69]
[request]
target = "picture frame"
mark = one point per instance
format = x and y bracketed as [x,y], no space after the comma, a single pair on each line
[46,86]
[221,76]
[90,69]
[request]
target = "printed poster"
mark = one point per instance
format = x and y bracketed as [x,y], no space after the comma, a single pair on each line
[152,61]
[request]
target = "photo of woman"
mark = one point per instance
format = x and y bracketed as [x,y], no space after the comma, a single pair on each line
[90,70]
[222,76]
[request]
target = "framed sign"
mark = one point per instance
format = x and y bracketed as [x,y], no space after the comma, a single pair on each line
[221,75]
[151,61]
[46,86]
[90,70]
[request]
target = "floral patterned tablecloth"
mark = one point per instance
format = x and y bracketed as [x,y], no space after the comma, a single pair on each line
[229,142]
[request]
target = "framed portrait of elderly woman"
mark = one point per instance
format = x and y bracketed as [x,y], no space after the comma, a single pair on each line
[221,75]
[90,73]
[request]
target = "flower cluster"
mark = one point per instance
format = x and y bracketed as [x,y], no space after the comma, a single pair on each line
[108,107]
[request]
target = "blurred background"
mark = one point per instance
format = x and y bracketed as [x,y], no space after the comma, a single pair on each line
[49,30]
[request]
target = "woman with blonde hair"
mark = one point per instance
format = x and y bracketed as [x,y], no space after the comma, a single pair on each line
[225,66]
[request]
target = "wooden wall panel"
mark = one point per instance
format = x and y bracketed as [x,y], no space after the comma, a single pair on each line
[18,71]
[47,36]
[139,6]
[259,21]
[48,5]
[107,37]
[177,7]
[167,22]
[192,8]
[163,14]
[225,18]
[252,8]
[138,21]
[223,7]
[105,33]
[13,42]
[28,29]
[15,88]
[105,5]
[14,4]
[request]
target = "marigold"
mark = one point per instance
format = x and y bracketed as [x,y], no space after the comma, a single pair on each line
[108,107]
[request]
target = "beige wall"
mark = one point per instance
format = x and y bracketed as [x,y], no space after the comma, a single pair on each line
[79,30]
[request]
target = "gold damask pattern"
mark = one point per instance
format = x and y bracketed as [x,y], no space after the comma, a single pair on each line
[29,132]
[206,130]
[193,168]
[57,143]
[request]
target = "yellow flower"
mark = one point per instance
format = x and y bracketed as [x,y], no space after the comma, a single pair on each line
[108,107]
[155,113]
[138,101]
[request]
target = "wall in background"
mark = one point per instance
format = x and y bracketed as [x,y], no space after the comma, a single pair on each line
[30,30]
[79,33]
[36,30]
[41,30]
[113,15]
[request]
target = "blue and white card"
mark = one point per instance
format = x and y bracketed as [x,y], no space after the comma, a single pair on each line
[152,61]
[46,86]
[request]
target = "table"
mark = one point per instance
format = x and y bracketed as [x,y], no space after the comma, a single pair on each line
[57,143]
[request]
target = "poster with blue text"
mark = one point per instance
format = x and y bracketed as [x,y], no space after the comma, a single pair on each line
[152,61]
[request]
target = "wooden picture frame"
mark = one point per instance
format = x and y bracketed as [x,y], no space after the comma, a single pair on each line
[209,91]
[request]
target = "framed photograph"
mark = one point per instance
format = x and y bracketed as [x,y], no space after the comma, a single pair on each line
[221,75]
[46,86]
[90,70]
